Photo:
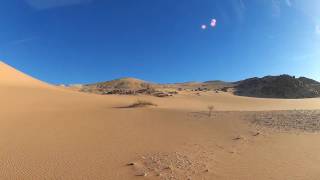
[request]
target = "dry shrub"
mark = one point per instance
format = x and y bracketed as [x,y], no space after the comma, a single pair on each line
[210,108]
[141,103]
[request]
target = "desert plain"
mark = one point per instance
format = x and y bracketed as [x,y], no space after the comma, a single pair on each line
[52,132]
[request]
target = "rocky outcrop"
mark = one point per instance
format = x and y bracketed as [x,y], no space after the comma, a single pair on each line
[283,86]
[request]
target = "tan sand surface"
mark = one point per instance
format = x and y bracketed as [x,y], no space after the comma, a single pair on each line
[48,132]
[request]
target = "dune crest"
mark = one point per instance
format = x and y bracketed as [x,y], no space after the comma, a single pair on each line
[9,76]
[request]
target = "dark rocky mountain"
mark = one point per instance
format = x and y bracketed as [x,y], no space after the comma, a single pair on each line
[283,86]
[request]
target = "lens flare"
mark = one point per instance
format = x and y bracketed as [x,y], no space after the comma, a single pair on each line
[213,23]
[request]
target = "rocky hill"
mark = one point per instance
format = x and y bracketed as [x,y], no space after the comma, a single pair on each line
[283,86]
[117,86]
[123,83]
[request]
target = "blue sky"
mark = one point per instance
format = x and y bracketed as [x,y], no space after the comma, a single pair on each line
[82,41]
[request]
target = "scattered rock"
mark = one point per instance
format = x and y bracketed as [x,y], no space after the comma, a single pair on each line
[174,165]
[142,174]
[238,138]
[168,168]
[256,134]
[294,120]
[161,94]
[131,164]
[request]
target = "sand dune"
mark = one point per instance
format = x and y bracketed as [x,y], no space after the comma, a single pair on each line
[12,77]
[47,132]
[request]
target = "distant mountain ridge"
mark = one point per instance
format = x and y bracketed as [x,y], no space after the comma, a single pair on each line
[128,84]
[282,86]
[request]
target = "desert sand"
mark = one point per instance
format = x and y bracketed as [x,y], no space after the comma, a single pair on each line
[49,132]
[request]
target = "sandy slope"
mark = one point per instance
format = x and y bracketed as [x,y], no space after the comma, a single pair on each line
[52,133]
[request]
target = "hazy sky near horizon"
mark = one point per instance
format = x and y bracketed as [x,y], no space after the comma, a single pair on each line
[82,41]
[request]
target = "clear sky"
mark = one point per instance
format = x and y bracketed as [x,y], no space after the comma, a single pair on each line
[81,41]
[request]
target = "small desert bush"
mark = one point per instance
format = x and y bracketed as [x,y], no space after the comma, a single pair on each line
[210,108]
[141,103]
